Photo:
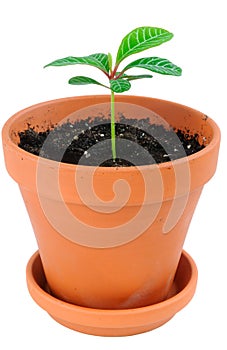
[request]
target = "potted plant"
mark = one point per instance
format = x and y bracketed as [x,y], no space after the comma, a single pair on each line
[111,199]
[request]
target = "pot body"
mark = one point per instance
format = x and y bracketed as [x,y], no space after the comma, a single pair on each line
[110,238]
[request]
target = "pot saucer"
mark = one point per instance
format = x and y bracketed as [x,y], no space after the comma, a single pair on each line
[113,322]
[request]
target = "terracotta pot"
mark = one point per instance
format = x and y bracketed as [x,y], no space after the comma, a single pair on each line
[99,249]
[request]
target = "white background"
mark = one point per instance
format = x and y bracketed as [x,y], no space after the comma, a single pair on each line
[33,33]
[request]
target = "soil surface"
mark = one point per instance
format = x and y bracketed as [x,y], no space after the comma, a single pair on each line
[88,142]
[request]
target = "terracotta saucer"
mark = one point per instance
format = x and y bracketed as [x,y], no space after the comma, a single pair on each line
[113,322]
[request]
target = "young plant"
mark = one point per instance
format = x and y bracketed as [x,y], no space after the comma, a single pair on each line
[137,40]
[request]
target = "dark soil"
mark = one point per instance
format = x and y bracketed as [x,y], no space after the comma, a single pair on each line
[87,142]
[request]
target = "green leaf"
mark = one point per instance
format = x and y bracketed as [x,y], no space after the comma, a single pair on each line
[141,39]
[81,80]
[135,77]
[98,60]
[157,65]
[119,85]
[110,61]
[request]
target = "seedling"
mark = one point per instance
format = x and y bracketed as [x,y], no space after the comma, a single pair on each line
[137,40]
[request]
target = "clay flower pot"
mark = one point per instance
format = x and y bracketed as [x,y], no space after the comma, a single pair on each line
[109,238]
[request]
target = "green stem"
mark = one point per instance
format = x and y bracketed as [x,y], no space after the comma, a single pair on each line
[113,135]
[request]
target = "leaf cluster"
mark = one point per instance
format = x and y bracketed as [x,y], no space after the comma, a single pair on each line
[137,40]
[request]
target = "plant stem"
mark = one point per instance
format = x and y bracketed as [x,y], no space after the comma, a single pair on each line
[113,135]
[114,71]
